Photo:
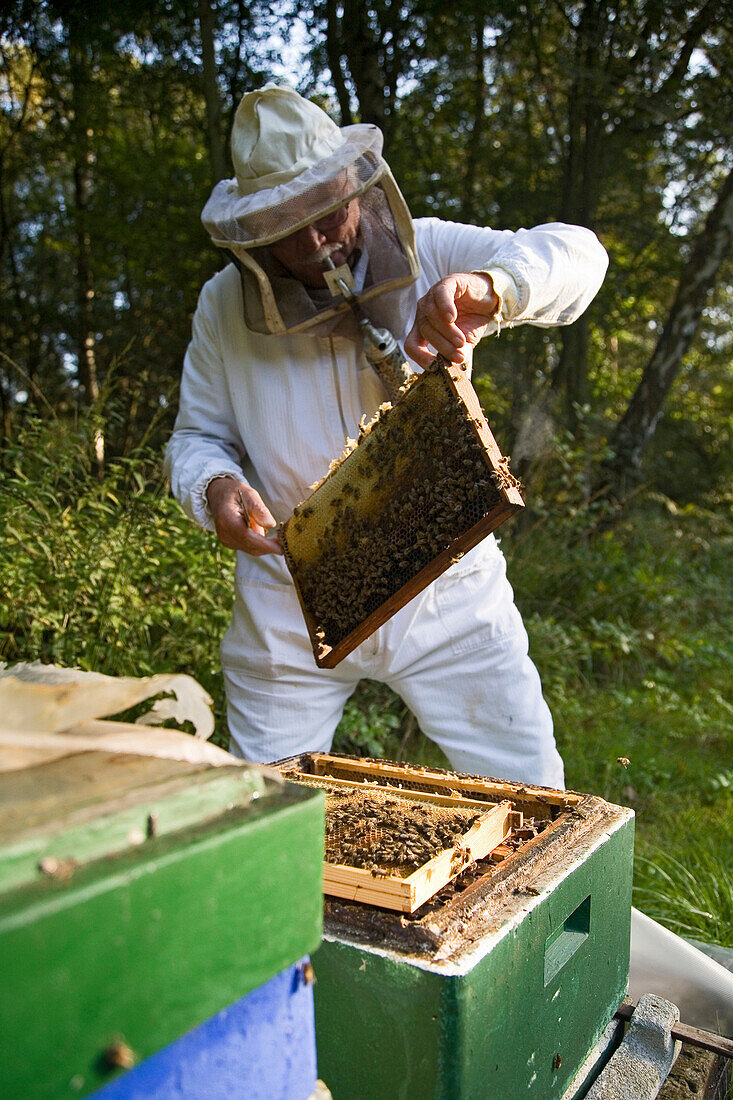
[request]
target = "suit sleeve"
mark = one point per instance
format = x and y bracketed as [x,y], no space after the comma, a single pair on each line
[205,442]
[544,276]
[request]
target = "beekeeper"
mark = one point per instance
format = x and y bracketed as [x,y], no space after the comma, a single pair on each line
[274,381]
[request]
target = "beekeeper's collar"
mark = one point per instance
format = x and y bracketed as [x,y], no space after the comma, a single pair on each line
[293,166]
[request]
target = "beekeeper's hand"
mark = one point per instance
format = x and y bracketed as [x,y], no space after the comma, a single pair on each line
[451,317]
[241,517]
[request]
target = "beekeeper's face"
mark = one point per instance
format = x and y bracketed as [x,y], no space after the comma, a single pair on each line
[304,253]
[328,235]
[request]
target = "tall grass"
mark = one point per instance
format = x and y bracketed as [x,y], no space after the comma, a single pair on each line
[694,898]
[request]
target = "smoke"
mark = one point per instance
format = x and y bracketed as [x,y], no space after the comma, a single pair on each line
[535,432]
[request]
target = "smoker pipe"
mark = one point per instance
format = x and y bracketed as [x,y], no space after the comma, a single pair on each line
[380,347]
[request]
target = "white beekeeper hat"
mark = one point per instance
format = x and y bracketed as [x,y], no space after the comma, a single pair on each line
[293,165]
[277,135]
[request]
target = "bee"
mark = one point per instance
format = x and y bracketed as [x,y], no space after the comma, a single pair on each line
[309,974]
[118,1055]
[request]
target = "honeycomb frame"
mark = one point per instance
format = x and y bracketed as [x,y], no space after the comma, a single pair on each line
[406,879]
[354,558]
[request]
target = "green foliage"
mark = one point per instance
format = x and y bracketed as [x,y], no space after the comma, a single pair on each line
[105,573]
[371,724]
[628,618]
[694,899]
[629,622]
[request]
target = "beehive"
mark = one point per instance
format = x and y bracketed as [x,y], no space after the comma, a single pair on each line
[501,983]
[425,483]
[124,882]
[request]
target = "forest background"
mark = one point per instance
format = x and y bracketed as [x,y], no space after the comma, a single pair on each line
[613,114]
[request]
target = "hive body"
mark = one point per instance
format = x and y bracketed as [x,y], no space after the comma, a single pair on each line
[146,939]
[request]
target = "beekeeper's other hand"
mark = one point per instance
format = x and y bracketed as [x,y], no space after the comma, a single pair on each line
[241,517]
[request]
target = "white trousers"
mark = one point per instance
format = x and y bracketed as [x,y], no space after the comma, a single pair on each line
[457,655]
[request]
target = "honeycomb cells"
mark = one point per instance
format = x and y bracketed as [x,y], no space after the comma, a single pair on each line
[390,834]
[417,481]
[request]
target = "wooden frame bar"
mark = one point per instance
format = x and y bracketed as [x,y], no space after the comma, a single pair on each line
[333,783]
[460,786]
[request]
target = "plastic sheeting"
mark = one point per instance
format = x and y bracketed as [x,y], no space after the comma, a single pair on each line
[667,965]
[35,696]
[47,712]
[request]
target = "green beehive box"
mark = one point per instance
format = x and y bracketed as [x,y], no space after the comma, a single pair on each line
[139,897]
[499,987]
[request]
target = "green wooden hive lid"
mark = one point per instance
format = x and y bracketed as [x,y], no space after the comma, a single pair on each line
[67,812]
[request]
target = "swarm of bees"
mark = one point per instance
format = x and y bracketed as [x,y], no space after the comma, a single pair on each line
[412,487]
[384,835]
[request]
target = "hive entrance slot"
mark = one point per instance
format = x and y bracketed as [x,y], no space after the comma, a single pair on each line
[562,944]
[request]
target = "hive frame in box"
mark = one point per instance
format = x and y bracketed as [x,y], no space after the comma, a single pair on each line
[559,814]
[510,500]
[406,894]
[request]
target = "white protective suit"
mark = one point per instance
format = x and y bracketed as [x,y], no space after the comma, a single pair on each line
[280,407]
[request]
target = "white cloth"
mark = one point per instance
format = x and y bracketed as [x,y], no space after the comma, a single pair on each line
[288,403]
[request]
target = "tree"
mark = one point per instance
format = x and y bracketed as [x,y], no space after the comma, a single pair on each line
[207,21]
[630,80]
[112,125]
[368,49]
[31,350]
[636,428]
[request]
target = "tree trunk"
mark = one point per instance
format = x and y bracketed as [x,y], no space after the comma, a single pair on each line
[580,187]
[362,53]
[23,307]
[211,91]
[479,120]
[82,134]
[4,415]
[334,49]
[585,157]
[635,430]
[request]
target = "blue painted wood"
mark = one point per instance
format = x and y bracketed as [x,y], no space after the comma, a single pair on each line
[260,1048]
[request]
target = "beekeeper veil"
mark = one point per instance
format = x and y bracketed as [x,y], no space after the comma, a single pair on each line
[295,168]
